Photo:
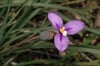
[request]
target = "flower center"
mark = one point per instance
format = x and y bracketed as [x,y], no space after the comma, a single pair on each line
[63,31]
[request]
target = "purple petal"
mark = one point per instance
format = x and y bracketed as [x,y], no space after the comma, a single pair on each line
[55,20]
[61,42]
[74,26]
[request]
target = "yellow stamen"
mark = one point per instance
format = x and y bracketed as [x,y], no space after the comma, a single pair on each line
[62,30]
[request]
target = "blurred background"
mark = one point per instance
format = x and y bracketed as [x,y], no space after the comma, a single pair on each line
[25,33]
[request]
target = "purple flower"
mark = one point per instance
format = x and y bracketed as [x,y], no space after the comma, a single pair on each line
[72,27]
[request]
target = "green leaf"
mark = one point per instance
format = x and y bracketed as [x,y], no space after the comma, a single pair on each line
[5,21]
[92,30]
[91,49]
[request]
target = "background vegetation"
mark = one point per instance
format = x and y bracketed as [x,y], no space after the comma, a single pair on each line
[21,22]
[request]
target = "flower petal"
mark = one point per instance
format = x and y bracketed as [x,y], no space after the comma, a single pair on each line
[61,42]
[55,20]
[74,26]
